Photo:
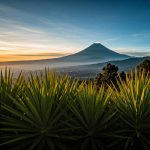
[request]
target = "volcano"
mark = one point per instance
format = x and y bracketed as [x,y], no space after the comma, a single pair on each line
[94,54]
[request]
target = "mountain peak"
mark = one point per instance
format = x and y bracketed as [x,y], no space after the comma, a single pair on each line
[97,47]
[96,44]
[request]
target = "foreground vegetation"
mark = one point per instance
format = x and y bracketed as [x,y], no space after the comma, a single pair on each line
[52,112]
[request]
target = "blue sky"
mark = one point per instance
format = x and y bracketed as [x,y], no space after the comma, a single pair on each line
[54,28]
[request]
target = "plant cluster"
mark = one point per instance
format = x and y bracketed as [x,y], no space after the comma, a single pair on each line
[52,112]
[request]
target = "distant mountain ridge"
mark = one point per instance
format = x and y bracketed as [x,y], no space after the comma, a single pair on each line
[90,71]
[123,65]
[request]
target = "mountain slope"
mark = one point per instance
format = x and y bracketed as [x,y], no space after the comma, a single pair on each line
[96,53]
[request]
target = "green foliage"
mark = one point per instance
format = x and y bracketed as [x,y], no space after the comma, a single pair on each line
[52,112]
[7,85]
[109,75]
[92,118]
[144,67]
[133,105]
[37,120]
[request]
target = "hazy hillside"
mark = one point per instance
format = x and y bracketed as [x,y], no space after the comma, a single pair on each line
[123,65]
[89,71]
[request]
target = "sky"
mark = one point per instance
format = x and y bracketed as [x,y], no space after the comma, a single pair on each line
[40,29]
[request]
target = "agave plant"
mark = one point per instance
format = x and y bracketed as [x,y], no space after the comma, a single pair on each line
[11,85]
[93,118]
[133,104]
[37,121]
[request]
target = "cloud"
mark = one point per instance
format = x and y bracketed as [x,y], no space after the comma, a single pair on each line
[134,51]
[36,56]
[52,54]
[141,35]
[138,53]
[110,40]
[22,32]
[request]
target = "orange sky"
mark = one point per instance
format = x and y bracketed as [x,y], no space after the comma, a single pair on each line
[18,57]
